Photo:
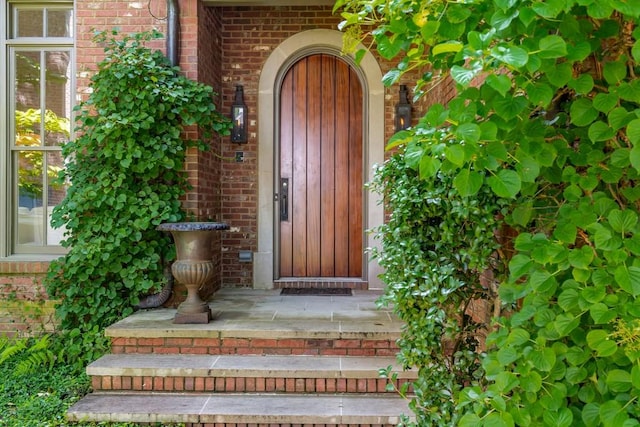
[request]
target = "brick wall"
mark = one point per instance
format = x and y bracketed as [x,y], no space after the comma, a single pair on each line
[24,307]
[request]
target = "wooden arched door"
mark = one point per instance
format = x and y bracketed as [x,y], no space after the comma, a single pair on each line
[321,170]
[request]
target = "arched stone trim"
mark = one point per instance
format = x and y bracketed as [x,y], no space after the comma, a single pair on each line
[293,48]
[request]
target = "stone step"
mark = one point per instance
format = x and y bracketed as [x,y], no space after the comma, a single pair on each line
[241,409]
[369,333]
[243,373]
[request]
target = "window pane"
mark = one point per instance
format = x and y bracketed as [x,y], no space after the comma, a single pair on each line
[55,193]
[30,23]
[58,98]
[27,81]
[30,193]
[59,23]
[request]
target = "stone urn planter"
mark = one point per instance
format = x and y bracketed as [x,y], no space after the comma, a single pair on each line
[193,266]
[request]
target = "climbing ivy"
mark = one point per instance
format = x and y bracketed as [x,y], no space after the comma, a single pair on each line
[547,117]
[430,291]
[126,175]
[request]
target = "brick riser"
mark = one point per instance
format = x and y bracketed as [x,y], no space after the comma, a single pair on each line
[284,425]
[258,346]
[242,385]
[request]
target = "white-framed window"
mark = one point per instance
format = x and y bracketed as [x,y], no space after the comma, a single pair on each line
[38,111]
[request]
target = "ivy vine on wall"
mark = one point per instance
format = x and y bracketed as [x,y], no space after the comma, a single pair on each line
[547,118]
[126,170]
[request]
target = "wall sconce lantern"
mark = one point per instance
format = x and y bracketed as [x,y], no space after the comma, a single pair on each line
[239,115]
[403,110]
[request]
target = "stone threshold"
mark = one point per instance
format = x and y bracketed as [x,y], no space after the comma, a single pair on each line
[284,409]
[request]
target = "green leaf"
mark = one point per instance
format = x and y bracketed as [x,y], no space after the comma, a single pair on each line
[599,131]
[634,157]
[583,84]
[506,381]
[614,72]
[598,340]
[510,55]
[391,77]
[507,355]
[468,182]
[601,314]
[623,221]
[619,117]
[605,102]
[463,75]
[561,418]
[582,112]
[548,9]
[560,74]
[609,410]
[389,47]
[591,414]
[505,184]
[470,420]
[531,382]
[501,83]
[528,168]
[455,154]
[540,94]
[469,132]
[635,51]
[509,107]
[429,166]
[628,278]
[552,47]
[543,359]
[633,131]
[618,381]
[447,47]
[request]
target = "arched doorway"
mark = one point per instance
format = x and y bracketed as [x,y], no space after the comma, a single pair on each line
[266,258]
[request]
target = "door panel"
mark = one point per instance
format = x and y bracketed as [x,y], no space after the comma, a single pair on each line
[321,156]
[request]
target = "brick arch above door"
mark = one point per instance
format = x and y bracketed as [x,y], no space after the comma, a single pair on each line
[296,46]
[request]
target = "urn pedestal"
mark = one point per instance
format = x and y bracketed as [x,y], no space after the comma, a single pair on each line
[193,266]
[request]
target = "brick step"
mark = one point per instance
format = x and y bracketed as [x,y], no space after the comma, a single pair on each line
[233,410]
[235,373]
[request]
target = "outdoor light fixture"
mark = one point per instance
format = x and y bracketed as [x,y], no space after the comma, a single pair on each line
[403,110]
[239,114]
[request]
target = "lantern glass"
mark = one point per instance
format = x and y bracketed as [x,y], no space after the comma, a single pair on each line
[239,113]
[403,110]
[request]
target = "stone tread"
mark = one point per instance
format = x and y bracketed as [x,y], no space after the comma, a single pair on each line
[303,409]
[243,366]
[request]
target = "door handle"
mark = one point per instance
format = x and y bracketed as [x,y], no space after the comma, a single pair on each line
[284,199]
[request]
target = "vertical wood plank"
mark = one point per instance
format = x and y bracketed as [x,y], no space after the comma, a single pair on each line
[298,213]
[286,169]
[342,170]
[356,182]
[327,218]
[314,117]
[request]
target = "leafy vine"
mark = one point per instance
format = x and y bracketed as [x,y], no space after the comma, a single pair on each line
[126,170]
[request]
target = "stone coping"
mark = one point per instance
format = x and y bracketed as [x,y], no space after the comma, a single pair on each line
[247,366]
[240,408]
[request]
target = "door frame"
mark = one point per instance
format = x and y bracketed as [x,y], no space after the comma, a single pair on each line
[273,71]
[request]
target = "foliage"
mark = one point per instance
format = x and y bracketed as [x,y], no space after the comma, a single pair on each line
[431,290]
[547,117]
[42,395]
[29,355]
[126,174]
